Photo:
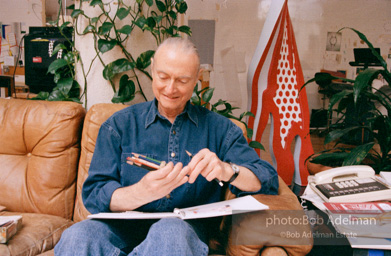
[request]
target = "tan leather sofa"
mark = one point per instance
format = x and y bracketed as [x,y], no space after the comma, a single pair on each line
[45,152]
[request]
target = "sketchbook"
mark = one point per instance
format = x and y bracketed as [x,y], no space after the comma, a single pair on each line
[227,207]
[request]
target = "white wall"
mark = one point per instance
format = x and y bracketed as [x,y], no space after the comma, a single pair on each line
[238,27]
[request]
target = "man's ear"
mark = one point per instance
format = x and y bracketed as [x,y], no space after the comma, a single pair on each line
[152,63]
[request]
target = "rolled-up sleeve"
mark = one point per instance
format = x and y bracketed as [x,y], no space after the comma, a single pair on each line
[237,150]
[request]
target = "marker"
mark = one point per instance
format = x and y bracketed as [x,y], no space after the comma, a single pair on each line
[218,181]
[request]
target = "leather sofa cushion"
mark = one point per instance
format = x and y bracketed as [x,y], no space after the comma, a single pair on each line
[39,153]
[96,115]
[39,233]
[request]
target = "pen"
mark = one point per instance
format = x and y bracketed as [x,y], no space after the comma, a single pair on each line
[218,181]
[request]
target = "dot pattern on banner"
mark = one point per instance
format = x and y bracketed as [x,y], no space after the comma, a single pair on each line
[287,94]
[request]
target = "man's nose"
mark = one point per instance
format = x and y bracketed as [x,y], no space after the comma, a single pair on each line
[171,85]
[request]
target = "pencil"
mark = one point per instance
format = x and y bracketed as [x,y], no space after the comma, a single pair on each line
[218,181]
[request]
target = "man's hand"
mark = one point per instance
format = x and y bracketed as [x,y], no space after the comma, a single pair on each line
[159,183]
[208,165]
[154,185]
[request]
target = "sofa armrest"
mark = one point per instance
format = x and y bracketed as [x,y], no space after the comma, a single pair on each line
[283,226]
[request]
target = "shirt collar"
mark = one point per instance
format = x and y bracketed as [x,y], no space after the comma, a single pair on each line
[153,113]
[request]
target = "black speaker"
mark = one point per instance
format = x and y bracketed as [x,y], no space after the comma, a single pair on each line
[39,46]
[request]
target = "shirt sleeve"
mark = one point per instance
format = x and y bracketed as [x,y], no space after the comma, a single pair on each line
[237,151]
[103,175]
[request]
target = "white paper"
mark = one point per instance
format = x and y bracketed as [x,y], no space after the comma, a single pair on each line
[227,207]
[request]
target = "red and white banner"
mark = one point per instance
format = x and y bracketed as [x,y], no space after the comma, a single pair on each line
[275,77]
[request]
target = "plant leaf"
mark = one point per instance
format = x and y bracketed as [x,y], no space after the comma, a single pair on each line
[336,134]
[96,2]
[65,85]
[122,13]
[126,91]
[358,154]
[144,60]
[181,7]
[126,29]
[116,67]
[105,28]
[57,64]
[185,29]
[363,80]
[160,6]
[149,2]
[106,45]
[76,13]
[88,29]
[207,95]
[256,144]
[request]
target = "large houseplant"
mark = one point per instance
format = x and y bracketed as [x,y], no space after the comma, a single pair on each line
[111,26]
[361,133]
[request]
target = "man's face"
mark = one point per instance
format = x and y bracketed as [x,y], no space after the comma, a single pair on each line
[174,75]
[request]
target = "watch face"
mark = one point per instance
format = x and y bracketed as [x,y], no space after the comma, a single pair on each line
[235,168]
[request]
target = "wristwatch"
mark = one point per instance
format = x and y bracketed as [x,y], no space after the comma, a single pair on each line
[236,170]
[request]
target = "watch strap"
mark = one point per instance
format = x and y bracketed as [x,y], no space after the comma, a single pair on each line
[235,168]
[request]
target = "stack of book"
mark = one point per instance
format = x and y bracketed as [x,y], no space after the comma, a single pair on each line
[9,225]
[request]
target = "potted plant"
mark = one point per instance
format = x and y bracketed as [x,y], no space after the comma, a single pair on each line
[361,133]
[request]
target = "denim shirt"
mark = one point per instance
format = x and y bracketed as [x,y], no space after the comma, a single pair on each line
[141,129]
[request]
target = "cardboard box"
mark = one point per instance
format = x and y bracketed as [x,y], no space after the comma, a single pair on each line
[9,225]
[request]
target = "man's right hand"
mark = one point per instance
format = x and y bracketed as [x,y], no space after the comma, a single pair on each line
[154,185]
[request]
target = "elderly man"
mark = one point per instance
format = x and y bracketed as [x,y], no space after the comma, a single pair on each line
[164,129]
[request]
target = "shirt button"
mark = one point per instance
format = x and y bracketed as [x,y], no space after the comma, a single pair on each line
[168,196]
[174,132]
[172,154]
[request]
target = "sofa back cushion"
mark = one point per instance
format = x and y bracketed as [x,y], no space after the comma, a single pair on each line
[96,115]
[39,153]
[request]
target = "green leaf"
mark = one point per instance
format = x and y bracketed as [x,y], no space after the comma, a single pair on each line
[172,14]
[151,23]
[336,134]
[149,2]
[70,7]
[88,29]
[256,144]
[96,2]
[144,60]
[127,29]
[207,95]
[336,98]
[181,7]
[161,6]
[140,22]
[185,29]
[363,80]
[105,28]
[59,47]
[41,96]
[122,13]
[57,64]
[76,13]
[374,52]
[116,67]
[94,20]
[65,85]
[358,154]
[106,45]
[126,91]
